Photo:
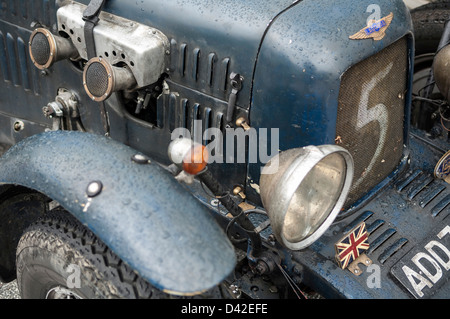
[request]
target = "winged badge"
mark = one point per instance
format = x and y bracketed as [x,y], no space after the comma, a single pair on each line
[375,29]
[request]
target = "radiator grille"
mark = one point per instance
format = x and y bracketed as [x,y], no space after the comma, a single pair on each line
[370,116]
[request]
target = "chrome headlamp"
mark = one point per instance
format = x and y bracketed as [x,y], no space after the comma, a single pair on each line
[305,192]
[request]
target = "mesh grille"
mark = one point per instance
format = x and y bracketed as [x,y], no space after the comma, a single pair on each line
[370,116]
[97,79]
[40,48]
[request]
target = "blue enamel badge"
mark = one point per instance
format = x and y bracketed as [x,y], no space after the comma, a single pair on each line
[376,29]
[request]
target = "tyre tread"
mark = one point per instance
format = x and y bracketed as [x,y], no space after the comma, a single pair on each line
[62,234]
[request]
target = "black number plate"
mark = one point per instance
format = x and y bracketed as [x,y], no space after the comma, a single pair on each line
[426,268]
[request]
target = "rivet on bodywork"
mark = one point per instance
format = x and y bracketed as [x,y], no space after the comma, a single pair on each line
[140,159]
[18,126]
[94,188]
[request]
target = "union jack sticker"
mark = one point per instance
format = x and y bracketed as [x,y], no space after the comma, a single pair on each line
[349,248]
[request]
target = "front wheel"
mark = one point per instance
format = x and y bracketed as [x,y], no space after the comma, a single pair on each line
[428,21]
[59,258]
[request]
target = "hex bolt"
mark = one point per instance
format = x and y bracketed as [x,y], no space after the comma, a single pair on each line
[236,290]
[53,109]
[271,238]
[261,267]
[94,188]
[48,111]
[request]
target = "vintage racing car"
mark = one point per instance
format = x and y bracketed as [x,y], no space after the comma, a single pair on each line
[228,149]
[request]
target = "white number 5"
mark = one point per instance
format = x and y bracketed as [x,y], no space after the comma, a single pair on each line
[377,113]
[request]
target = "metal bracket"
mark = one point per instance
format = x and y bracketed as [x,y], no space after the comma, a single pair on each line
[64,111]
[362,259]
[236,85]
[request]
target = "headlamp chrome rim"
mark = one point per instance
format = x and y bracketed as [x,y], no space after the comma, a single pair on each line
[302,161]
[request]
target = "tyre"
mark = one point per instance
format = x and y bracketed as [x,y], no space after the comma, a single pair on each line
[58,258]
[428,21]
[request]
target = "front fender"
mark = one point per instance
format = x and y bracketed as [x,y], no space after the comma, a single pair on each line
[142,213]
